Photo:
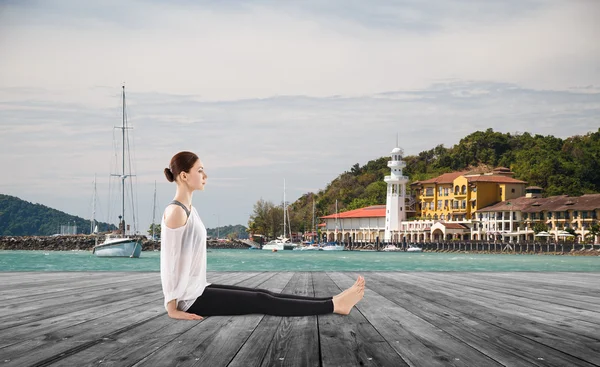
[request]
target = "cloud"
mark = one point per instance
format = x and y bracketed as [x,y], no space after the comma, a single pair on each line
[267,90]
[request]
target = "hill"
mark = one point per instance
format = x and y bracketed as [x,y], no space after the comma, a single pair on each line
[230,231]
[560,166]
[22,218]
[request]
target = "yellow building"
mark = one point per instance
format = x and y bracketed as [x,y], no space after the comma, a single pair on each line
[455,196]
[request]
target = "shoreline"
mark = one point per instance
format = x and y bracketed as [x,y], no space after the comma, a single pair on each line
[87,242]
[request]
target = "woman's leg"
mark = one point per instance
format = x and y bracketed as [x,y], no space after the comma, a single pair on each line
[279,295]
[222,302]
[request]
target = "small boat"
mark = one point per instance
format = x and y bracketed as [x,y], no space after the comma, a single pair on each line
[333,247]
[312,247]
[120,245]
[391,248]
[277,244]
[413,248]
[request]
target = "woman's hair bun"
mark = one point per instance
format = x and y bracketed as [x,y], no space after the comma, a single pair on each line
[169,175]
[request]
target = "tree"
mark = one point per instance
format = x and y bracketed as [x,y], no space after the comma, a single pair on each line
[593,232]
[540,227]
[156,230]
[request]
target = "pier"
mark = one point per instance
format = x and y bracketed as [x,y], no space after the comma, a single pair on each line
[405,319]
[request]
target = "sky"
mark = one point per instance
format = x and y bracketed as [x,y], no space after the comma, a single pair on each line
[270,90]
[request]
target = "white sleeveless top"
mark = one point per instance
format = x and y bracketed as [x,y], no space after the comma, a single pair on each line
[183,261]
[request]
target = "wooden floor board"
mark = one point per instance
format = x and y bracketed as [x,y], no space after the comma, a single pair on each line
[405,319]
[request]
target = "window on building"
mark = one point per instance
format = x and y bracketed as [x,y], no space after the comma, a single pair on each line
[439,205]
[512,190]
[446,204]
[575,214]
[429,191]
[473,204]
[549,215]
[524,215]
[474,189]
[464,204]
[584,215]
[514,215]
[446,191]
[567,216]
[542,215]
[456,189]
[463,189]
[440,190]
[500,191]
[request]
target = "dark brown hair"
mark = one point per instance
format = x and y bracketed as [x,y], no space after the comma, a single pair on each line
[181,162]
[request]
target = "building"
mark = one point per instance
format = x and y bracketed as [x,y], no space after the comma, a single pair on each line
[365,225]
[455,196]
[461,206]
[514,219]
[395,197]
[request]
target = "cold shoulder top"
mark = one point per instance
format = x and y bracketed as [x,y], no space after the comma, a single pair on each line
[183,261]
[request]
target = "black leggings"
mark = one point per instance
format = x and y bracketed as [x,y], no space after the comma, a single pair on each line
[222,300]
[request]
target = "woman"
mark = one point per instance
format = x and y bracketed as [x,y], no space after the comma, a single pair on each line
[188,295]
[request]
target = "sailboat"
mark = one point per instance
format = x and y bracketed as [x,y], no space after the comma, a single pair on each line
[281,242]
[120,245]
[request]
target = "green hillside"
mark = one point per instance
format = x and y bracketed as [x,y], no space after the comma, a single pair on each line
[22,218]
[560,166]
[230,231]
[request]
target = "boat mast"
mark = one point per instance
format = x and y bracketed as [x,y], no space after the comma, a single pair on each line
[123,176]
[93,221]
[153,211]
[284,208]
[313,223]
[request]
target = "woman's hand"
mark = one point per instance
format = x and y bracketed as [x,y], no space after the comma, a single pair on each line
[181,315]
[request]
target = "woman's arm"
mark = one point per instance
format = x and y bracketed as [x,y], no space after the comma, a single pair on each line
[174,313]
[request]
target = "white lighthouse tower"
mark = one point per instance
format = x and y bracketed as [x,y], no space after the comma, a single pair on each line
[396,194]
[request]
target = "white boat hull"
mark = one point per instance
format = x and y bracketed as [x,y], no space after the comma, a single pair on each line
[311,248]
[124,247]
[278,247]
[333,248]
[414,249]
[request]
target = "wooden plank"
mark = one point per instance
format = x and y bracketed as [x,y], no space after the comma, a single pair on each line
[54,307]
[570,296]
[204,339]
[504,346]
[417,341]
[487,310]
[350,340]
[254,350]
[128,348]
[295,339]
[83,329]
[546,309]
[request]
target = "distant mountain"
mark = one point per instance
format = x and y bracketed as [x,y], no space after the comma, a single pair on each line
[22,218]
[239,231]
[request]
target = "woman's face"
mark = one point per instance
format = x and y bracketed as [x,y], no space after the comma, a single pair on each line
[195,178]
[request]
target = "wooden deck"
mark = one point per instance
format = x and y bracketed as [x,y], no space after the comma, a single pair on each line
[405,319]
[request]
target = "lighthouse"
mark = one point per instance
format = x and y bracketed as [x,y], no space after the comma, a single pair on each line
[395,206]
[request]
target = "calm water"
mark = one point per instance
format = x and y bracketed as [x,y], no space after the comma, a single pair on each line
[245,260]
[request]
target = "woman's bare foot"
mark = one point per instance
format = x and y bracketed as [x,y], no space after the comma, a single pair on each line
[360,282]
[343,304]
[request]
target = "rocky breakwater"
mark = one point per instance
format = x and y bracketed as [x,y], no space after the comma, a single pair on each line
[87,242]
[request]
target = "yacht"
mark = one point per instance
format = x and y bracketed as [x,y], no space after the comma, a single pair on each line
[279,244]
[390,248]
[413,248]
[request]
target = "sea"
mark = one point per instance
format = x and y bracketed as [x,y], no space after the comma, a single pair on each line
[257,260]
